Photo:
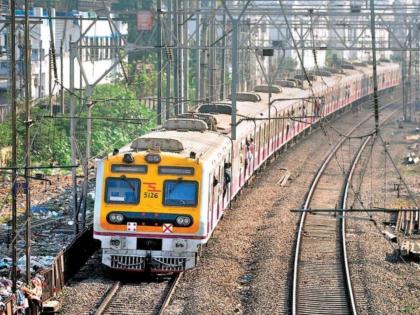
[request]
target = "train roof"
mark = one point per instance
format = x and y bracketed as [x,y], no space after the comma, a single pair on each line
[205,142]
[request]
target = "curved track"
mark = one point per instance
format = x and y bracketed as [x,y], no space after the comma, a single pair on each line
[138,298]
[321,277]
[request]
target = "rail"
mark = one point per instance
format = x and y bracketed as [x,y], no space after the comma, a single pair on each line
[308,199]
[110,303]
[343,224]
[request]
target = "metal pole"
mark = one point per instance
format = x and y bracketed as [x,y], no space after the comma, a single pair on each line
[28,123]
[185,60]
[159,62]
[212,39]
[409,81]
[175,56]
[73,137]
[375,79]
[89,91]
[235,23]
[50,105]
[203,57]
[63,111]
[168,62]
[417,56]
[41,60]
[223,61]
[180,58]
[198,54]
[403,80]
[14,136]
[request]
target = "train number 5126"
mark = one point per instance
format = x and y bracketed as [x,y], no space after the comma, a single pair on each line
[150,195]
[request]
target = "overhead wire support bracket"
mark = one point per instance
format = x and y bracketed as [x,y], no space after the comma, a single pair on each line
[234,83]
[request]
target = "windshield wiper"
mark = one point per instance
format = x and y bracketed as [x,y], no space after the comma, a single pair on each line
[124,178]
[178,181]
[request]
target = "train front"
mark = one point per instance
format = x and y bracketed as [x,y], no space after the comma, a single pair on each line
[147,211]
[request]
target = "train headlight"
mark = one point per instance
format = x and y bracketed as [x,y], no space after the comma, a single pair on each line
[115,243]
[116,218]
[183,220]
[152,158]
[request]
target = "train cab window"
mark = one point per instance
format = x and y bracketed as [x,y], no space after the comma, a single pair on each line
[180,193]
[122,190]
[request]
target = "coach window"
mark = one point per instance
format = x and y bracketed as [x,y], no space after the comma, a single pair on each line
[180,193]
[122,190]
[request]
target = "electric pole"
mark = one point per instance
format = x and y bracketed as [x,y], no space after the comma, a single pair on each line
[28,123]
[375,79]
[14,136]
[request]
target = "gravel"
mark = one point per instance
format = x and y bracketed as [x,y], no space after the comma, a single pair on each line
[384,284]
[245,266]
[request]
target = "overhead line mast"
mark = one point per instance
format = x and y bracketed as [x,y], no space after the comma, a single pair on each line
[375,79]
[28,123]
[14,137]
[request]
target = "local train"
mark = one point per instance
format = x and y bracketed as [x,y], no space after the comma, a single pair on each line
[159,199]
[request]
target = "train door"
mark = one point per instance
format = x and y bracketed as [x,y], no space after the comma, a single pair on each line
[266,137]
[227,181]
[261,144]
[220,196]
[241,164]
[257,147]
[278,128]
[214,198]
[292,123]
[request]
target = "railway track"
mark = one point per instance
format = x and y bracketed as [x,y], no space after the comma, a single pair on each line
[321,281]
[138,298]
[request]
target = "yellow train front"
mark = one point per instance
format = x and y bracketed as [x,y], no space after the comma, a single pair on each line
[147,208]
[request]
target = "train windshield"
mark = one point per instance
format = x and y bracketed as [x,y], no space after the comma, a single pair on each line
[180,193]
[122,190]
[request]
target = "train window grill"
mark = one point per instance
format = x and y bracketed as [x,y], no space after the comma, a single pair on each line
[137,169]
[175,170]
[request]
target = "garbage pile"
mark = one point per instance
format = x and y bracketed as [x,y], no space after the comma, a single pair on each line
[38,264]
[411,158]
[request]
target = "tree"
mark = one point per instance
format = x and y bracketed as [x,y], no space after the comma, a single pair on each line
[127,117]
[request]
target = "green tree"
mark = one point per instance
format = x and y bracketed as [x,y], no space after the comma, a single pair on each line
[5,134]
[127,117]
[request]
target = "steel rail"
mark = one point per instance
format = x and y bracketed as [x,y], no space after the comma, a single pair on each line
[343,224]
[108,298]
[170,293]
[112,292]
[308,199]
